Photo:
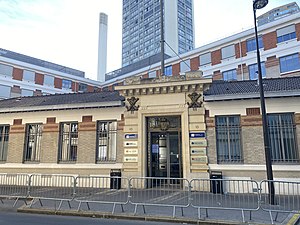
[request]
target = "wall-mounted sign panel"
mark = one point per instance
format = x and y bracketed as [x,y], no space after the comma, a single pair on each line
[198,143]
[130,159]
[197,135]
[130,151]
[199,159]
[130,143]
[198,151]
[131,136]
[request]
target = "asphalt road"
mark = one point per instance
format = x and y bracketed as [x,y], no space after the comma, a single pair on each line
[14,218]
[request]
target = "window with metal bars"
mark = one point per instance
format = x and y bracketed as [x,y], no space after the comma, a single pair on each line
[33,139]
[68,142]
[282,132]
[106,141]
[228,135]
[4,134]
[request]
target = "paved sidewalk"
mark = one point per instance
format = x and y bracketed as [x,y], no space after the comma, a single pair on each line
[152,213]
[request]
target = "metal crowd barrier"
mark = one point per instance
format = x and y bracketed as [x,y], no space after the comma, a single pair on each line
[52,187]
[243,195]
[155,191]
[98,189]
[224,194]
[14,186]
[286,199]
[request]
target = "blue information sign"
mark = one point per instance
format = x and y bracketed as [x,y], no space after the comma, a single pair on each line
[131,136]
[197,135]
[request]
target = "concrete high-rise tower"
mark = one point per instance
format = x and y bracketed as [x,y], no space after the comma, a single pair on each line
[102,47]
[141,28]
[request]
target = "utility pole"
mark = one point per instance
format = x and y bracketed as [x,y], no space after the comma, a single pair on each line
[162,41]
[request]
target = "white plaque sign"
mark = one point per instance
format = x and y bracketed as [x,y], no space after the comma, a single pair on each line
[199,159]
[198,151]
[130,143]
[130,159]
[130,151]
[198,142]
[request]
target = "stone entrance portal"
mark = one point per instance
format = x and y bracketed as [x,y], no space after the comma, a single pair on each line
[164,127]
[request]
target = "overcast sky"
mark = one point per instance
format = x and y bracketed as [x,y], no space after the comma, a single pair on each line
[66,31]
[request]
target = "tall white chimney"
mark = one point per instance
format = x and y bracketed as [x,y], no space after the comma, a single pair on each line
[102,47]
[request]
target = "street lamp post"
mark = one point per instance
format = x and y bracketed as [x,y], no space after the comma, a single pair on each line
[258,4]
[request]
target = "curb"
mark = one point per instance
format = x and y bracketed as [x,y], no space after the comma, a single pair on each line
[105,215]
[294,218]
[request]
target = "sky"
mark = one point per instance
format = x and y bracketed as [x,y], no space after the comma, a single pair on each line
[66,31]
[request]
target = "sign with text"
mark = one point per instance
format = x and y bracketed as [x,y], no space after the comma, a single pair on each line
[130,151]
[197,135]
[198,151]
[130,159]
[199,159]
[131,136]
[130,143]
[198,142]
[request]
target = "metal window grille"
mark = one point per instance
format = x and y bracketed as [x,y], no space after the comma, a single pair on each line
[68,142]
[282,132]
[228,134]
[4,134]
[106,141]
[33,139]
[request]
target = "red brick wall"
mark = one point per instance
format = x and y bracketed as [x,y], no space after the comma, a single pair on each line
[57,83]
[272,61]
[195,63]
[241,48]
[75,86]
[17,74]
[242,69]
[39,78]
[87,118]
[270,40]
[297,26]
[216,57]
[239,70]
[237,50]
[244,48]
[37,92]
[110,88]
[217,75]
[16,89]
[17,122]
[176,69]
[143,76]
[51,120]
[90,88]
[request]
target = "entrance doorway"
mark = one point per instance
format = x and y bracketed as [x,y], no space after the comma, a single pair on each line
[164,147]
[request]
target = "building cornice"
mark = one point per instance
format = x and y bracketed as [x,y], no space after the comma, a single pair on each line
[62,107]
[192,81]
[212,98]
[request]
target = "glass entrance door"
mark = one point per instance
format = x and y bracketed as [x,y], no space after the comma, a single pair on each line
[164,154]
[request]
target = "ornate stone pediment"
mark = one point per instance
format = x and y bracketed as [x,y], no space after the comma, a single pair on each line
[139,80]
[190,82]
[163,79]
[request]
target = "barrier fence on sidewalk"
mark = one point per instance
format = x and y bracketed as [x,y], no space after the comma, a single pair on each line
[154,191]
[106,190]
[52,187]
[14,186]
[225,194]
[287,197]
